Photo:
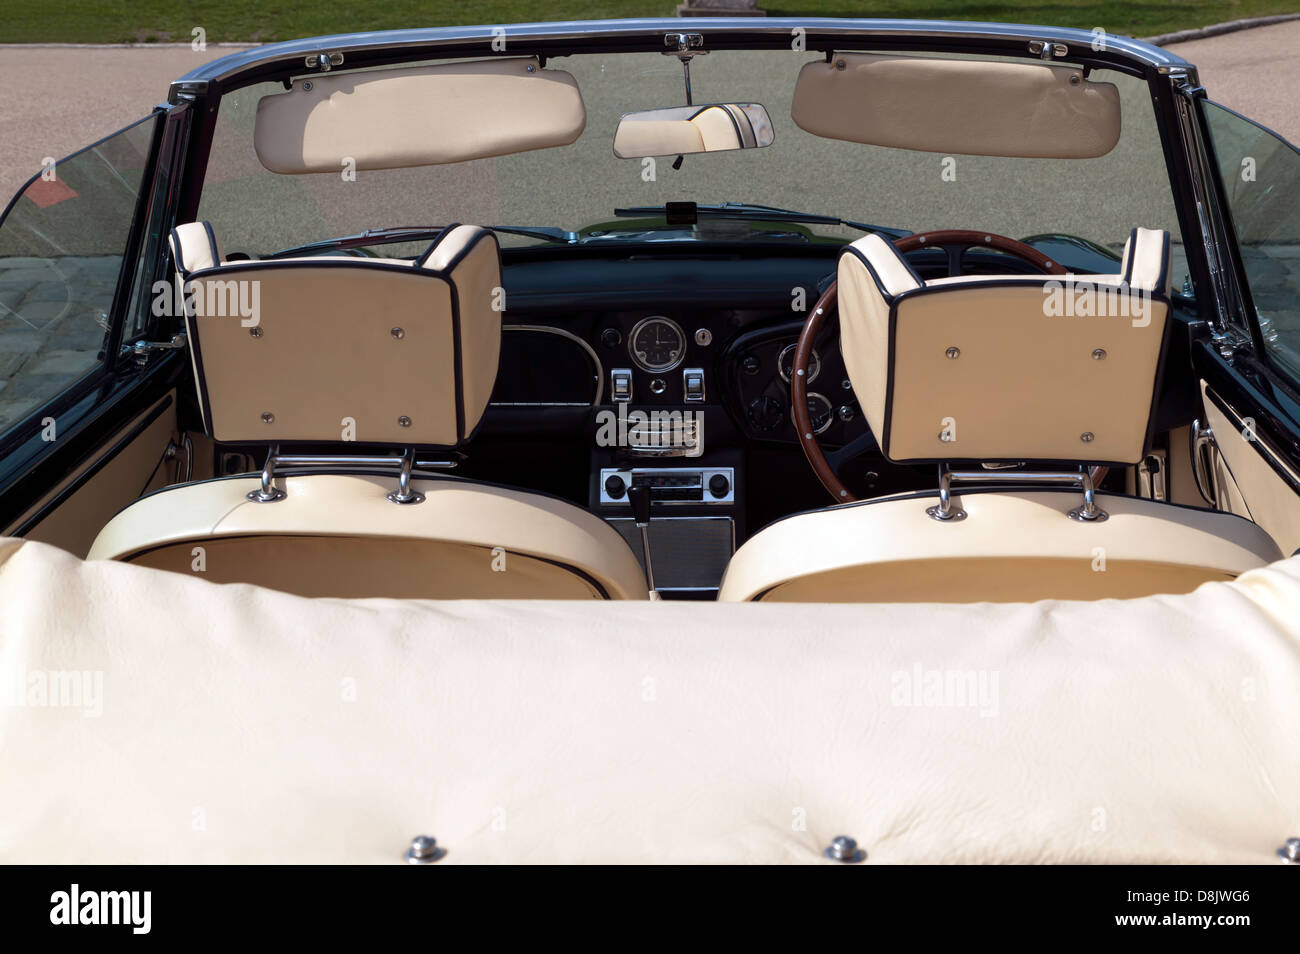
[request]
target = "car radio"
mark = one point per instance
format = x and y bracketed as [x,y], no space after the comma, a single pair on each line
[668,485]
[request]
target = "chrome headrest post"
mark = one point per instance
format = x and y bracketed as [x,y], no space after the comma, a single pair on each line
[293,463]
[1089,512]
[268,493]
[404,494]
[945,511]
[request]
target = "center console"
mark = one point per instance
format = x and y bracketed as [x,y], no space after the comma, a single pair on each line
[685,460]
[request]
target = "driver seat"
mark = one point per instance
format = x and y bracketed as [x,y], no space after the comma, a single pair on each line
[1018,384]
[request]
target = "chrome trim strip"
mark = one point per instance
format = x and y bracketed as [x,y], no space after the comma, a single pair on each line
[528,35]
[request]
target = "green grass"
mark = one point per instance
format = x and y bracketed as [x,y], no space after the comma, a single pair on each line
[153,21]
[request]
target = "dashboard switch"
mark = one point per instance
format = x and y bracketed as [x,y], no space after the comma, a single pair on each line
[620,385]
[615,486]
[719,485]
[693,385]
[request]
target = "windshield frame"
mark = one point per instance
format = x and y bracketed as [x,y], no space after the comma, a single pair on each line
[1157,68]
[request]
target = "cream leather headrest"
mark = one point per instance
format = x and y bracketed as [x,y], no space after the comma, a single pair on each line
[969,107]
[1053,369]
[194,246]
[390,119]
[327,349]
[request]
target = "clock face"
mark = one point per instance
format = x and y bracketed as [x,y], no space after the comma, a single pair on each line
[657,344]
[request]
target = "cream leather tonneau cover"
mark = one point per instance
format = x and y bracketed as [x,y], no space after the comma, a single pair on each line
[205,723]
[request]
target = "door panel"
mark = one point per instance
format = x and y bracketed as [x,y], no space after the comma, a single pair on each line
[1251,478]
[133,461]
[1250,390]
[86,416]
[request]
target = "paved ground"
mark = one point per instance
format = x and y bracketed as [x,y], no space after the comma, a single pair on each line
[1256,72]
[55,100]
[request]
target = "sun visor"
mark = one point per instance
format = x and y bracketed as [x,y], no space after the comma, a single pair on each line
[392,119]
[967,107]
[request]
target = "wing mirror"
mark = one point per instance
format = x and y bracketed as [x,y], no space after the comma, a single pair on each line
[682,130]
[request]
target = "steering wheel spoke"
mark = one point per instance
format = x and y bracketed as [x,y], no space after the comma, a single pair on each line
[864,443]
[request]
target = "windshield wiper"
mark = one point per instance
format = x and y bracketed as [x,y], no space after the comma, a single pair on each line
[416,234]
[749,210]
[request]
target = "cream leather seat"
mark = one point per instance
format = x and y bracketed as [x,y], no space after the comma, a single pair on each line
[386,354]
[1056,373]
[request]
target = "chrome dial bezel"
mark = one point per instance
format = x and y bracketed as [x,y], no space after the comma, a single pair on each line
[830,410]
[814,363]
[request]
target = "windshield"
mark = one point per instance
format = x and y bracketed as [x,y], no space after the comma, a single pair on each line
[577,188]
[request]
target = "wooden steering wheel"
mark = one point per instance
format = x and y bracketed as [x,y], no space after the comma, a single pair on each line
[954,242]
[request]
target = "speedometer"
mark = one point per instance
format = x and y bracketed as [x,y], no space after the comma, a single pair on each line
[657,344]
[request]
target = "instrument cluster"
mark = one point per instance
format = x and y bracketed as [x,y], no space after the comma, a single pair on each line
[760,364]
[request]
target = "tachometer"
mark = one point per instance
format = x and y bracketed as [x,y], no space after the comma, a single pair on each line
[657,344]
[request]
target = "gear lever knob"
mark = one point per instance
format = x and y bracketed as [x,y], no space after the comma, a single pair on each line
[639,498]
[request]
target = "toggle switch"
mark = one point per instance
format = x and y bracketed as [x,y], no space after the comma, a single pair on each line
[693,385]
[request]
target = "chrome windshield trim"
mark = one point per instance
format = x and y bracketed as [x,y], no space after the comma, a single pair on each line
[527,36]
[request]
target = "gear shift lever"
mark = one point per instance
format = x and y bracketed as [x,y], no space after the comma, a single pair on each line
[639,497]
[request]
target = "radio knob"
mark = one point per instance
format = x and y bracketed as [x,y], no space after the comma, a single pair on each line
[615,487]
[719,485]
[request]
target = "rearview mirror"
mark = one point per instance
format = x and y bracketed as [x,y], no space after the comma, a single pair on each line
[681,130]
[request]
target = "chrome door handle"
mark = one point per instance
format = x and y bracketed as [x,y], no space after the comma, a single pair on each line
[1203,445]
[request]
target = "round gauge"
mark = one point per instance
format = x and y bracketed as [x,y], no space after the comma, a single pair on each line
[785,363]
[766,413]
[819,411]
[657,344]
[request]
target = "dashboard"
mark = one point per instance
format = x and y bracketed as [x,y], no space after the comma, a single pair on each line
[702,336]
[662,332]
[677,332]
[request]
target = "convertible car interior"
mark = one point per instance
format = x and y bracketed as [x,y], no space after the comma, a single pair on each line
[410,412]
[696,399]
